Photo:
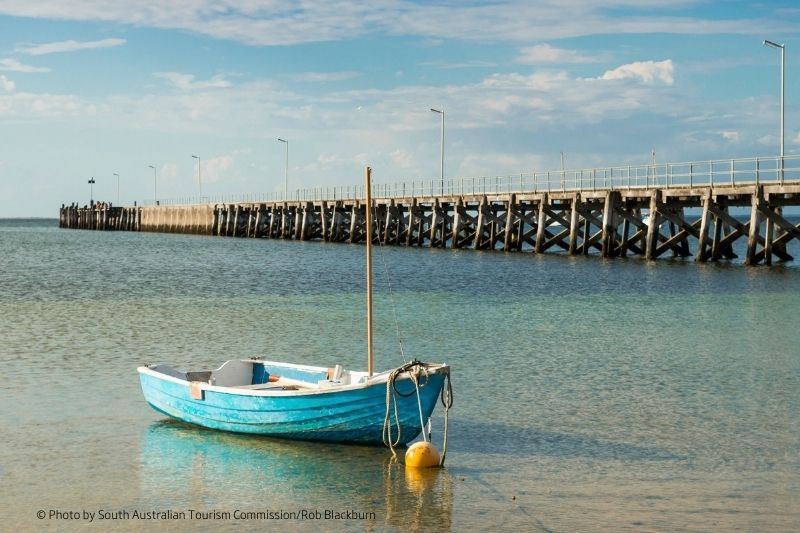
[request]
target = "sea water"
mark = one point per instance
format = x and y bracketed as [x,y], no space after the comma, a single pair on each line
[590,394]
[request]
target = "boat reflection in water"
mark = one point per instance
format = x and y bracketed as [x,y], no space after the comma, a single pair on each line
[183,467]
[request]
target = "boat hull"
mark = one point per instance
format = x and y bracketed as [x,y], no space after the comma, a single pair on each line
[350,414]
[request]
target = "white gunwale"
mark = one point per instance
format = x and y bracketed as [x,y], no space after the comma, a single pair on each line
[305,387]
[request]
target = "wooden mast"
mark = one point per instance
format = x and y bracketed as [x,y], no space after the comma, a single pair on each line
[368,217]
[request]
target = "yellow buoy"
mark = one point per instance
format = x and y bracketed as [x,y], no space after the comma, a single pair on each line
[422,455]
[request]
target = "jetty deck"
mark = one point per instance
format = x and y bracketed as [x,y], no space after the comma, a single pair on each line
[651,211]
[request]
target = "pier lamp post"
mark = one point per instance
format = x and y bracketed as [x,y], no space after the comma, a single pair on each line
[91,191]
[286,172]
[441,149]
[117,175]
[199,177]
[782,48]
[155,185]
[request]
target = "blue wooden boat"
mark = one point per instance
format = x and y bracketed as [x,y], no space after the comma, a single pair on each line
[304,402]
[295,401]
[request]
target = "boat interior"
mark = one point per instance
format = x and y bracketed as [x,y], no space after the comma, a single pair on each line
[255,374]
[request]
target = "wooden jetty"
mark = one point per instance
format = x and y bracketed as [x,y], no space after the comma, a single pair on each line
[676,210]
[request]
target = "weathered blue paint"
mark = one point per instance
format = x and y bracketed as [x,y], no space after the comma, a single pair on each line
[349,414]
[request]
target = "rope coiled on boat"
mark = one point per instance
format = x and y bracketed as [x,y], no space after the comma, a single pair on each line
[391,402]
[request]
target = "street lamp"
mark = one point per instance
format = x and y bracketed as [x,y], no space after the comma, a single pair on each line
[441,168]
[155,184]
[286,173]
[783,70]
[117,175]
[91,191]
[199,177]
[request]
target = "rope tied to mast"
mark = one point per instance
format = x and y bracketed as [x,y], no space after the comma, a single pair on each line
[381,254]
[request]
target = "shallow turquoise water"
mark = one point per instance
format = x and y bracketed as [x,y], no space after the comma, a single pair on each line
[589,394]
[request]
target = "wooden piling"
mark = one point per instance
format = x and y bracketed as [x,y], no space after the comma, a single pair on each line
[653,226]
[755,227]
[609,225]
[541,225]
[573,224]
[702,252]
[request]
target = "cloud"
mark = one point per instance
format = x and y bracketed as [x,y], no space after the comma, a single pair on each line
[168,172]
[431,43]
[528,100]
[187,82]
[540,81]
[30,106]
[324,76]
[731,136]
[525,111]
[458,64]
[69,46]
[544,53]
[13,65]
[402,158]
[214,169]
[647,71]
[6,84]
[494,164]
[270,22]
[329,162]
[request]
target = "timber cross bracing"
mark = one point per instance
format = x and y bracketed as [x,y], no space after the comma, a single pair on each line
[647,222]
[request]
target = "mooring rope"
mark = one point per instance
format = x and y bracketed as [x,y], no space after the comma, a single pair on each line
[415,370]
[415,378]
[447,402]
[391,401]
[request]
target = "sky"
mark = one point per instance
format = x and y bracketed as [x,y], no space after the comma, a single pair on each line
[90,89]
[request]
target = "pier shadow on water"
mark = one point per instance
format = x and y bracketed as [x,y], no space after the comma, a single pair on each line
[185,467]
[498,438]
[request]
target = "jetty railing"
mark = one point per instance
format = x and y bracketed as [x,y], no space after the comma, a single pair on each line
[734,172]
